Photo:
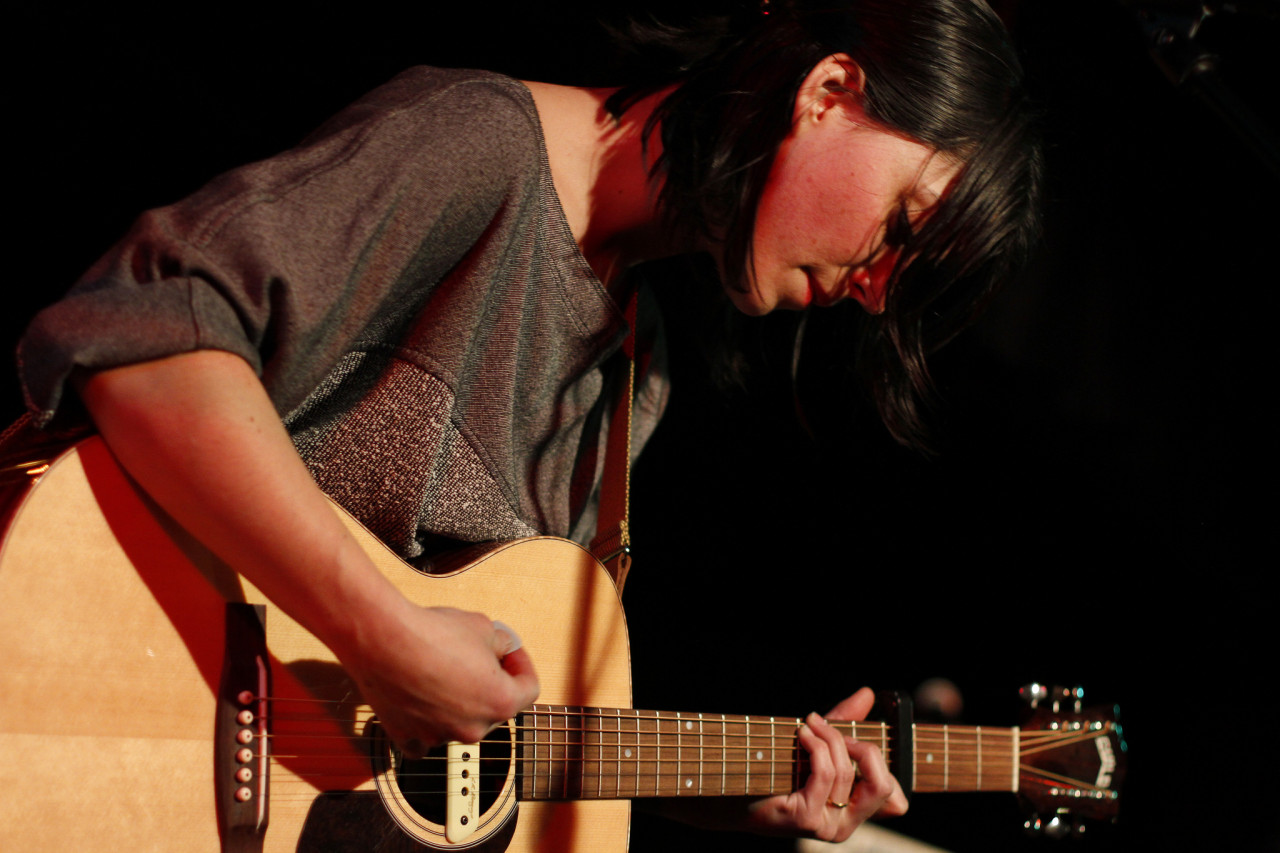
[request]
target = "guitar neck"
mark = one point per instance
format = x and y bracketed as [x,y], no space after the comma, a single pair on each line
[601,753]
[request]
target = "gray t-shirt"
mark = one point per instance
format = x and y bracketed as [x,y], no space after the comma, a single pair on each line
[406,285]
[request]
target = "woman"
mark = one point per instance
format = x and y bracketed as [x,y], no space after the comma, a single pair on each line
[426,290]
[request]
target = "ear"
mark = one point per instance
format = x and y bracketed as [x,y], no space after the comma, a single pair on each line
[836,81]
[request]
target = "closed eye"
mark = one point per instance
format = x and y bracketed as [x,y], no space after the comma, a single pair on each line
[896,233]
[898,230]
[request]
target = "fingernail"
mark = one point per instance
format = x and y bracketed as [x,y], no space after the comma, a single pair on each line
[513,639]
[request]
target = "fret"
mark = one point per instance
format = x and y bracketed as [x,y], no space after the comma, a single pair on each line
[617,770]
[669,769]
[634,766]
[946,759]
[593,757]
[701,755]
[798,766]
[1014,753]
[690,733]
[548,752]
[613,755]
[555,756]
[533,769]
[680,774]
[563,753]
[724,753]
[965,758]
[978,741]
[652,739]
[603,759]
[773,758]
[737,769]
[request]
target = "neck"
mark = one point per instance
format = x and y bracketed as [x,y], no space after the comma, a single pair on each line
[600,169]
[594,753]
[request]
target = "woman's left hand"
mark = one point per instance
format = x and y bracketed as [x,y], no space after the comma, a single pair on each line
[834,801]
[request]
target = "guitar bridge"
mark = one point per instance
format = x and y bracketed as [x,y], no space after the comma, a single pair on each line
[240,739]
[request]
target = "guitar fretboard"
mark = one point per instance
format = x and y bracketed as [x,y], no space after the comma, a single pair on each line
[570,753]
[965,758]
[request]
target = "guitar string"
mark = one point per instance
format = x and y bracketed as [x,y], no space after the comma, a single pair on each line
[612,772]
[958,756]
[737,740]
[734,739]
[609,752]
[615,753]
[955,738]
[763,744]
[609,772]
[1031,774]
[662,779]
[715,741]
[962,766]
[708,728]
[952,734]
[922,730]
[658,774]
[593,712]
[1066,739]
[776,728]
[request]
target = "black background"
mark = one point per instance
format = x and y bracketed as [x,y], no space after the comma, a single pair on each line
[1099,513]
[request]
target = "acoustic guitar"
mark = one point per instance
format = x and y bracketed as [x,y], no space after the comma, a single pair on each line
[151,699]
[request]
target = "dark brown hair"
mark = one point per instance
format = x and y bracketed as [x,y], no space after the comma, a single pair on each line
[943,72]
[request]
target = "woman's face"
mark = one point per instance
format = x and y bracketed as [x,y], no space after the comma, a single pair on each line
[837,180]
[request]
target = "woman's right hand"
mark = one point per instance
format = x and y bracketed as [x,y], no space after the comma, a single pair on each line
[435,674]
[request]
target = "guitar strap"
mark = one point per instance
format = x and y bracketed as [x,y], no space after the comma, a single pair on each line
[612,542]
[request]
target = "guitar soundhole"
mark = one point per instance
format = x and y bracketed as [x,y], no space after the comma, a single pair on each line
[422,780]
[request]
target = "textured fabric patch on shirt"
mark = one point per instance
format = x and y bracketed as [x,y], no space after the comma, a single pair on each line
[395,439]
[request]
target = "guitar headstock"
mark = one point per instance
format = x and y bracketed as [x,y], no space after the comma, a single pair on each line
[1072,761]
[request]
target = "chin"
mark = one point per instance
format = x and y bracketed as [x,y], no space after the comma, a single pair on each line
[749,303]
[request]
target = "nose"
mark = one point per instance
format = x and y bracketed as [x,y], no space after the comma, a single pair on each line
[871,282]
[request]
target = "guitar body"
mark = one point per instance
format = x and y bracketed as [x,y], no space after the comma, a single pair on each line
[113,640]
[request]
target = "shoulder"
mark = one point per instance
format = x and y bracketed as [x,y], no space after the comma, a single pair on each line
[428,139]
[479,109]
[453,86]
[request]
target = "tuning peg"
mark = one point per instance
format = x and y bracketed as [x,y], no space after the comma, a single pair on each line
[1063,695]
[1057,827]
[1034,693]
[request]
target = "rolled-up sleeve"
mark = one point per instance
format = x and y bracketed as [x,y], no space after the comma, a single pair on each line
[287,261]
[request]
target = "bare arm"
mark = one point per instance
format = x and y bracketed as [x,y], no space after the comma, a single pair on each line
[199,433]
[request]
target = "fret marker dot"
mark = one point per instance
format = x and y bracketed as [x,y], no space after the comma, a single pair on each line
[759,755]
[688,725]
[627,753]
[928,759]
[688,783]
